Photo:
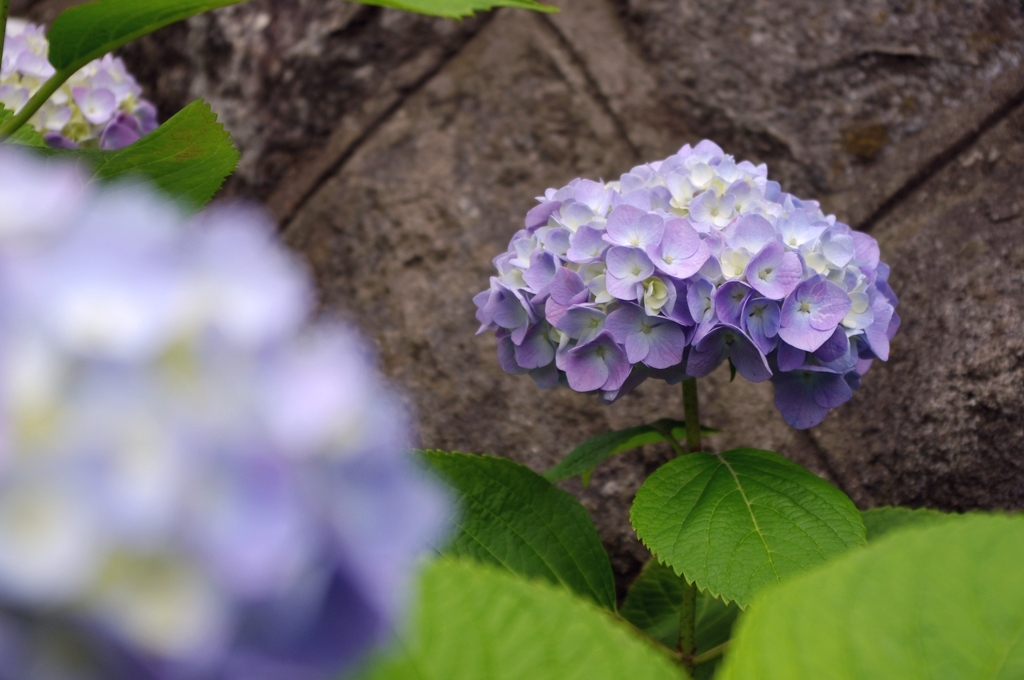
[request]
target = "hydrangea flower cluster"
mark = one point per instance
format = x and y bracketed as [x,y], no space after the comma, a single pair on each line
[98,107]
[683,264]
[195,480]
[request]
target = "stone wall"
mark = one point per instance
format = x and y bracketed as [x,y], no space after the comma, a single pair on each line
[399,154]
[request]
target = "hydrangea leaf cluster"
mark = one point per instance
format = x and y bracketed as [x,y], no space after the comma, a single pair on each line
[98,107]
[683,264]
[196,480]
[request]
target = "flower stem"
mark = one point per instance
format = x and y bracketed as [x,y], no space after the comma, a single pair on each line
[5,6]
[711,654]
[688,604]
[691,414]
[688,626]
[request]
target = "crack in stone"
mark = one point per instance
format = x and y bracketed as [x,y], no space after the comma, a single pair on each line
[593,86]
[942,159]
[286,213]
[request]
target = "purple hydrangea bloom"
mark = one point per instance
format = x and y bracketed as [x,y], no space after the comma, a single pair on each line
[99,107]
[683,264]
[197,481]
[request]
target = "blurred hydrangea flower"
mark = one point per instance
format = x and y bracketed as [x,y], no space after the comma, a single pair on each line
[195,481]
[98,107]
[683,264]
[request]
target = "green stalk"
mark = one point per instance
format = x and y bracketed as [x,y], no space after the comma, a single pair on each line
[688,626]
[34,104]
[691,413]
[5,6]
[711,654]
[688,605]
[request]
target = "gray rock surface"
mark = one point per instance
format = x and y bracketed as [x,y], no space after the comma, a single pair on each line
[400,154]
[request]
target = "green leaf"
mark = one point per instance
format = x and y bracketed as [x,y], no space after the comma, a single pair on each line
[86,32]
[738,521]
[457,9]
[652,605]
[513,517]
[26,135]
[80,34]
[588,455]
[880,521]
[188,157]
[930,602]
[474,622]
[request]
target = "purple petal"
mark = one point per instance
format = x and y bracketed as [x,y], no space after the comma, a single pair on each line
[510,311]
[661,198]
[877,333]
[707,150]
[829,307]
[640,198]
[794,397]
[666,342]
[56,140]
[894,325]
[843,363]
[594,195]
[553,311]
[637,375]
[629,226]
[555,241]
[629,291]
[625,321]
[480,300]
[749,361]
[865,251]
[752,232]
[123,131]
[761,320]
[774,272]
[790,358]
[536,350]
[546,377]
[575,215]
[97,105]
[653,340]
[729,300]
[700,300]
[680,313]
[811,313]
[629,264]
[681,252]
[581,322]
[799,228]
[507,356]
[837,247]
[538,216]
[727,342]
[836,346]
[830,390]
[587,245]
[626,268]
[567,287]
[543,267]
[146,114]
[597,365]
